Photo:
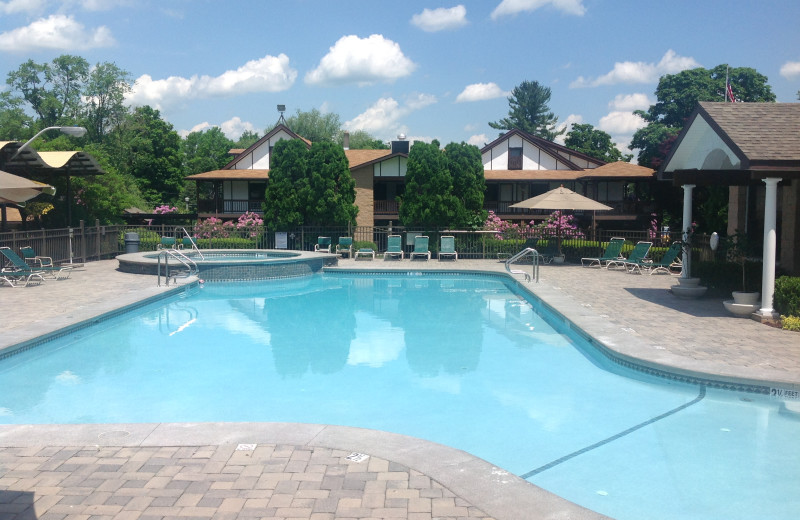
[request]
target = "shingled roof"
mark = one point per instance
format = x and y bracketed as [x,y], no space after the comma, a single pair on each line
[764,132]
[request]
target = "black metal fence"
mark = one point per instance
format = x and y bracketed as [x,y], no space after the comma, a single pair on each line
[87,243]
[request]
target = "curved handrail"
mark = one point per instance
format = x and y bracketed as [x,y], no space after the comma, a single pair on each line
[525,252]
[194,244]
[190,265]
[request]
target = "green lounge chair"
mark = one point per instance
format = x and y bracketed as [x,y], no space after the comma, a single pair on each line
[187,242]
[366,252]
[636,260]
[323,245]
[613,252]
[669,261]
[420,248]
[20,269]
[35,260]
[345,247]
[549,251]
[394,247]
[166,243]
[447,247]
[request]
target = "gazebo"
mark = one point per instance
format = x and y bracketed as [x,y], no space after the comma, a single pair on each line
[754,148]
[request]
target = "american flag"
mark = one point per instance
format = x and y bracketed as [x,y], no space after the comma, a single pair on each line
[729,92]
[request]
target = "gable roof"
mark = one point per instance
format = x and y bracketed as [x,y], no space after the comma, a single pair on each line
[736,142]
[555,150]
[278,128]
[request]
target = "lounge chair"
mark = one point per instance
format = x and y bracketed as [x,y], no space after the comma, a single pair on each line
[394,247]
[420,248]
[33,259]
[166,243]
[549,251]
[345,247]
[613,252]
[669,261]
[447,247]
[20,269]
[187,242]
[366,252]
[323,245]
[635,260]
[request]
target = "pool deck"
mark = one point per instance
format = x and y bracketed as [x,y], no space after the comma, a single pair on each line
[227,471]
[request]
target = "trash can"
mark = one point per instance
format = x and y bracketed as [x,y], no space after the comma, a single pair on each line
[131,242]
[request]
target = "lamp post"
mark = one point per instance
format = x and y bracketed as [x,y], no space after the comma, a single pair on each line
[73,131]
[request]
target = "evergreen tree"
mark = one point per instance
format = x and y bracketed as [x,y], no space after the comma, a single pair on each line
[428,198]
[594,143]
[332,194]
[529,111]
[287,194]
[465,166]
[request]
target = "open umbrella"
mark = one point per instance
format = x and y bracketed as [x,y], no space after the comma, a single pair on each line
[16,190]
[561,198]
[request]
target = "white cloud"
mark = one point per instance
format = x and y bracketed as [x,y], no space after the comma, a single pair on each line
[481,92]
[619,122]
[384,115]
[639,71]
[630,102]
[479,140]
[56,32]
[22,6]
[232,128]
[790,69]
[572,119]
[512,7]
[440,19]
[268,74]
[361,60]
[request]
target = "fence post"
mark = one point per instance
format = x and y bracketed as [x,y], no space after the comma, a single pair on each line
[99,236]
[83,240]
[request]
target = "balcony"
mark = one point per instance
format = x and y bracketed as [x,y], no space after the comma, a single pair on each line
[385,208]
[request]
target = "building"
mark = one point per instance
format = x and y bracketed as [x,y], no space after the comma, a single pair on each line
[517,166]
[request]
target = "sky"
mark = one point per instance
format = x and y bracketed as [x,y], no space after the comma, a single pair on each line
[427,69]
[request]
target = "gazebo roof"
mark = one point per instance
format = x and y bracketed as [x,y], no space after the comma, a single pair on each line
[30,161]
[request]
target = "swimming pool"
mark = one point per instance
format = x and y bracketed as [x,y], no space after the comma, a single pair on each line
[462,360]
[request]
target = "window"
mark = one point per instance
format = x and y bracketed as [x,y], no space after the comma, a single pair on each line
[515,158]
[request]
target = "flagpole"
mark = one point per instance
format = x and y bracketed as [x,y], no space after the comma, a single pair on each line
[726,83]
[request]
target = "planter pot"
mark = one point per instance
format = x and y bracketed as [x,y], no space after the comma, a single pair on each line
[688,288]
[740,309]
[689,282]
[558,259]
[745,298]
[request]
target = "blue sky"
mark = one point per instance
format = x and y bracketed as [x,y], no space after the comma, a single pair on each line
[429,69]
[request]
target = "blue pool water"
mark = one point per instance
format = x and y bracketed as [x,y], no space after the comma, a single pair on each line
[465,361]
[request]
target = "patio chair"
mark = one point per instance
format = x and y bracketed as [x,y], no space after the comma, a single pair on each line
[669,261]
[447,247]
[21,269]
[187,242]
[366,252]
[394,247]
[420,248]
[32,258]
[613,252]
[345,247]
[549,251]
[323,245]
[166,243]
[635,260]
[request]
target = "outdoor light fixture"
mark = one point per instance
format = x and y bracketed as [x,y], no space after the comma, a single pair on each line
[281,108]
[73,131]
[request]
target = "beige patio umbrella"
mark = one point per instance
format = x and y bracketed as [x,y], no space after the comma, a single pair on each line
[561,198]
[17,190]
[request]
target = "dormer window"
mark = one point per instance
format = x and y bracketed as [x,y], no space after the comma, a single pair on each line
[515,158]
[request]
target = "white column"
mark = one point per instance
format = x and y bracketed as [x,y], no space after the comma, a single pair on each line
[687,225]
[770,241]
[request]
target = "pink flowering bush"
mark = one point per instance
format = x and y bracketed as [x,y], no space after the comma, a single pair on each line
[652,231]
[559,223]
[250,223]
[165,208]
[504,229]
[213,227]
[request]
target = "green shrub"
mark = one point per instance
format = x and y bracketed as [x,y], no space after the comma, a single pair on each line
[791,323]
[722,278]
[787,295]
[364,244]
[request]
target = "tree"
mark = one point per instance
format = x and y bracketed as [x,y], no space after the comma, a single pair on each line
[246,140]
[288,191]
[206,151]
[15,124]
[105,93]
[594,143]
[529,111]
[314,125]
[428,198]
[362,140]
[677,97]
[332,190]
[465,166]
[149,149]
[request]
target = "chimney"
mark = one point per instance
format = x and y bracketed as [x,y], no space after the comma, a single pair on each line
[346,141]
[401,145]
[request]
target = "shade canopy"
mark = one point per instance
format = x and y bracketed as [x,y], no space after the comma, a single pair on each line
[16,190]
[561,198]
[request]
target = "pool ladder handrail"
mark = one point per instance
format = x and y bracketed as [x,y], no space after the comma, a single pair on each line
[191,266]
[525,252]
[194,244]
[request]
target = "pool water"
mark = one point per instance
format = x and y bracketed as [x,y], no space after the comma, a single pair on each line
[462,360]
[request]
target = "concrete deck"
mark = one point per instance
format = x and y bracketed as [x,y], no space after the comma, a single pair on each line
[271,470]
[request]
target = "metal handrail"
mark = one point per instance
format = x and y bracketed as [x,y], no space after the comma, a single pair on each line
[194,244]
[190,265]
[525,252]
